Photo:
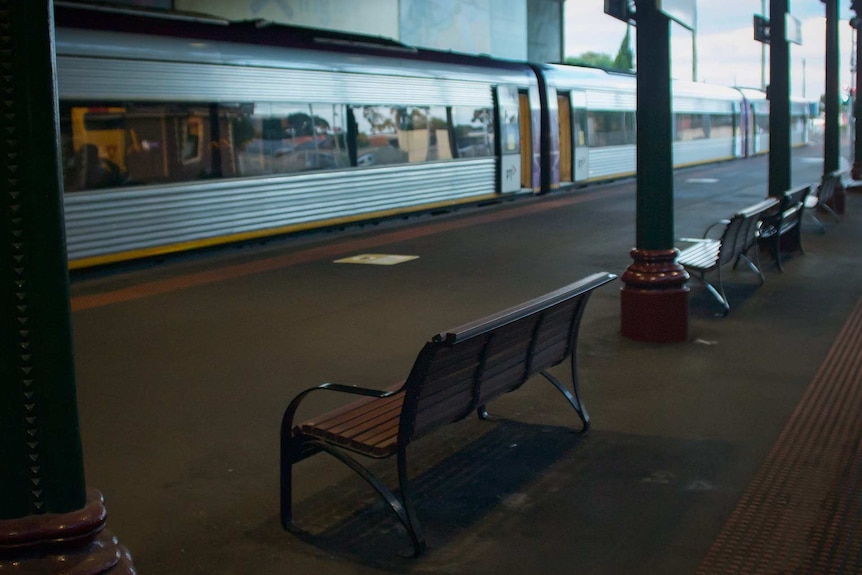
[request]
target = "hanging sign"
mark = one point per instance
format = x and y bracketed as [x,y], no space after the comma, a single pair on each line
[683,12]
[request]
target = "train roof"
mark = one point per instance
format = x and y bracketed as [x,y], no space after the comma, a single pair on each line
[88,30]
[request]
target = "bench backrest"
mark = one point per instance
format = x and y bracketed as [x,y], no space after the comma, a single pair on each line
[831,182]
[461,369]
[795,196]
[741,232]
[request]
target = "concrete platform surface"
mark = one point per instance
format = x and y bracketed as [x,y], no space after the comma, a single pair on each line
[185,366]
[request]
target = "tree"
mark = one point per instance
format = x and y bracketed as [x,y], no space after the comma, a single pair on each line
[625,58]
[595,59]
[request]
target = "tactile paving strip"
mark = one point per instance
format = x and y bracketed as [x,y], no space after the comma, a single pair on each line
[802,512]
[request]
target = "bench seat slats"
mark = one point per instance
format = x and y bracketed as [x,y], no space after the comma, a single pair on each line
[368,426]
[739,236]
[702,255]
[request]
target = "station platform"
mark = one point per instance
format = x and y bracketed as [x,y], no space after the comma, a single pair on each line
[737,451]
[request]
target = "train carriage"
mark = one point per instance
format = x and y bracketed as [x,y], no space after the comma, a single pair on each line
[174,141]
[597,123]
[180,132]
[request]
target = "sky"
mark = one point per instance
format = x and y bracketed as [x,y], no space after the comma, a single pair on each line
[726,49]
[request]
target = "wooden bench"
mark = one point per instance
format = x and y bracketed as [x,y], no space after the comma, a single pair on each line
[828,198]
[456,373]
[738,237]
[781,230]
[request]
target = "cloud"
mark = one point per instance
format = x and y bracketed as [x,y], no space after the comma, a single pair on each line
[726,49]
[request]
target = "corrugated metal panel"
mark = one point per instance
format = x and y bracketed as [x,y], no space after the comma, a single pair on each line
[612,161]
[602,100]
[702,105]
[136,80]
[112,221]
[699,151]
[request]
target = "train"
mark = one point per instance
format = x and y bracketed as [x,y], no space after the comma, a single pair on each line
[180,131]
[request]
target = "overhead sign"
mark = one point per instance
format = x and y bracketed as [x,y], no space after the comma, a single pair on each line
[620,9]
[793,29]
[761,29]
[683,12]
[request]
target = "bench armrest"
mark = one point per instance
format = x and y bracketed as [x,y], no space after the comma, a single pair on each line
[290,412]
[721,222]
[694,240]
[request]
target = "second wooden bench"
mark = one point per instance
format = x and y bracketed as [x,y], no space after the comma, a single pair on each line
[737,242]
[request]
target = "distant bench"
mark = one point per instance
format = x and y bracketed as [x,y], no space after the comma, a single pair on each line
[781,230]
[455,374]
[738,237]
[829,197]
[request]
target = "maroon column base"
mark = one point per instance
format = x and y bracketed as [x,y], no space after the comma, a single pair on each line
[654,298]
[73,543]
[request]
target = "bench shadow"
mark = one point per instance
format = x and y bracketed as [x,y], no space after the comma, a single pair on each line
[454,486]
[703,304]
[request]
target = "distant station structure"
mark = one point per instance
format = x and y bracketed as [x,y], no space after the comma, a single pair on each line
[516,30]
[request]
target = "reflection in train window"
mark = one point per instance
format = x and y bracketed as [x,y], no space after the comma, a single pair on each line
[439,141]
[274,138]
[474,132]
[690,127]
[392,135]
[191,136]
[611,129]
[127,144]
[721,125]
[132,144]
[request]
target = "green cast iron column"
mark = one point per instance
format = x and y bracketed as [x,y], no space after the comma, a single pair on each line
[831,136]
[49,522]
[779,99]
[42,469]
[654,299]
[654,137]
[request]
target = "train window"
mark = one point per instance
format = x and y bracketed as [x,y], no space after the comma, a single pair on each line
[611,128]
[92,142]
[191,140]
[721,126]
[474,132]
[691,127]
[439,144]
[275,138]
[580,124]
[761,123]
[395,134]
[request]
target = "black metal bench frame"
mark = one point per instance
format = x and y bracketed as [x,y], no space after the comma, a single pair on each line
[455,374]
[827,197]
[781,230]
[738,237]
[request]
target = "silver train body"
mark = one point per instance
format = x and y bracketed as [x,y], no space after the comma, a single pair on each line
[179,135]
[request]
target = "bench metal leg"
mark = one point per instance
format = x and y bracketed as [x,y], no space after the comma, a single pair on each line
[754,265]
[573,399]
[403,511]
[721,297]
[774,246]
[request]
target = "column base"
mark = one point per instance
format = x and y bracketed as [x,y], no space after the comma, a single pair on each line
[654,298]
[73,543]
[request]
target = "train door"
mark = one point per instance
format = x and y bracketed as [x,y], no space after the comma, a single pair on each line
[525,124]
[580,151]
[509,144]
[564,105]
